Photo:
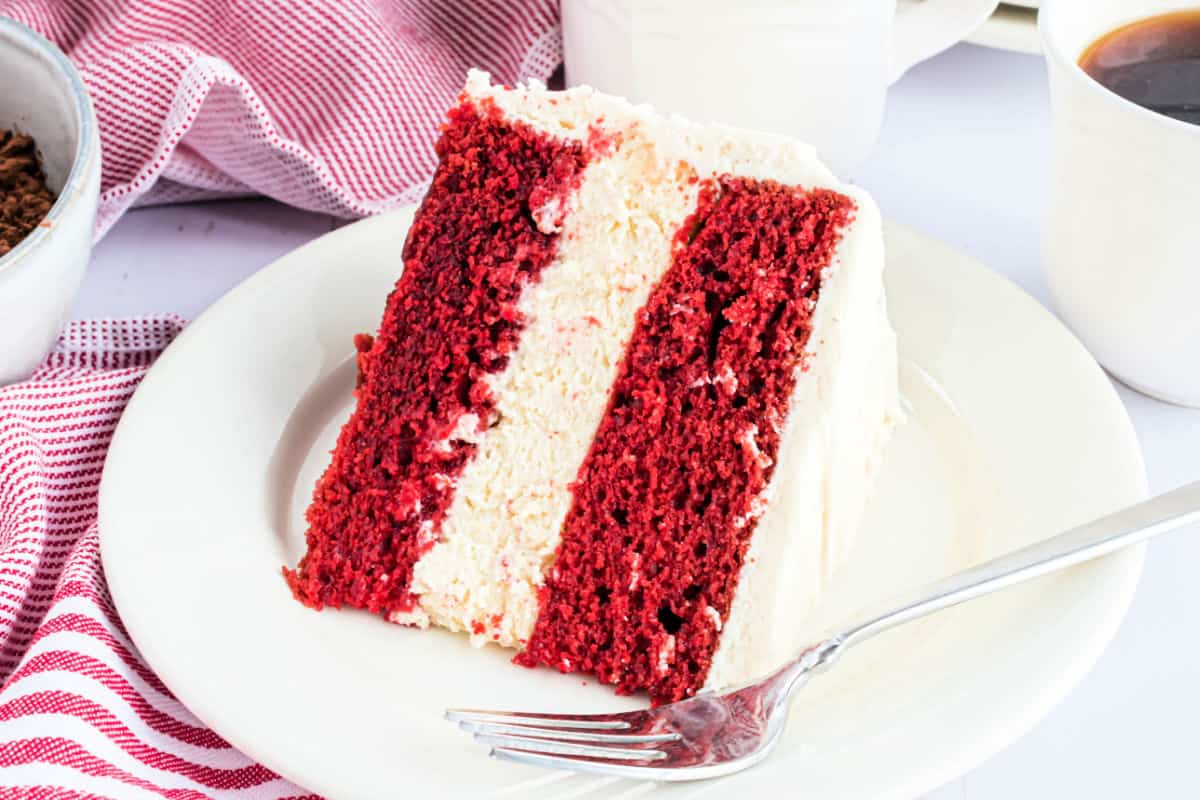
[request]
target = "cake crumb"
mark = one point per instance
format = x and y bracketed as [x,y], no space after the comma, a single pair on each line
[666,654]
[714,617]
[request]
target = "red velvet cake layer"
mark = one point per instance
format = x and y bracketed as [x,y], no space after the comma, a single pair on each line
[451,320]
[666,500]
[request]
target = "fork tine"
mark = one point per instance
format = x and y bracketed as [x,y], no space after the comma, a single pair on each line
[606,722]
[530,744]
[597,766]
[568,734]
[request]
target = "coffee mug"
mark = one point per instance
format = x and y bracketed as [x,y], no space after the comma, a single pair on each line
[1121,244]
[817,70]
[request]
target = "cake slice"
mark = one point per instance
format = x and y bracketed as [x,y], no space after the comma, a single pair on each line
[627,399]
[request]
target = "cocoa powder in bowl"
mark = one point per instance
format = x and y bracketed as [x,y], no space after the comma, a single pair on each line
[24,197]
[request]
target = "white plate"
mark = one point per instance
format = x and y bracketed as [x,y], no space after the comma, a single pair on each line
[1014,433]
[1011,27]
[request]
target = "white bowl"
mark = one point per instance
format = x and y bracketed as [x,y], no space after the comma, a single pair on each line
[41,95]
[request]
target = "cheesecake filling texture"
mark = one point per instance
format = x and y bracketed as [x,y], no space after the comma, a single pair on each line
[626,402]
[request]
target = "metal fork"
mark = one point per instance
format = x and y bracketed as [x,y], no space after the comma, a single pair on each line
[711,734]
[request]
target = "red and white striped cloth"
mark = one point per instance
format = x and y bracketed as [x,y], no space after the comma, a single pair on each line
[80,715]
[331,106]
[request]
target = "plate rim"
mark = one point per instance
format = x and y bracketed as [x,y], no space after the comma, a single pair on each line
[1055,692]
[987,746]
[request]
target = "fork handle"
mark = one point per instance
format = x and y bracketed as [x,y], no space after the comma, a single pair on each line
[1131,525]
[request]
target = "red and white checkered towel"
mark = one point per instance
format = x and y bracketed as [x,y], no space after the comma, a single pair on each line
[329,105]
[332,106]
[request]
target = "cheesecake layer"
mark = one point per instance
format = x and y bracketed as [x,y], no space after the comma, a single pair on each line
[503,528]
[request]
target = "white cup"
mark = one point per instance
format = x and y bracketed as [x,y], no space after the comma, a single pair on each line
[1122,242]
[817,70]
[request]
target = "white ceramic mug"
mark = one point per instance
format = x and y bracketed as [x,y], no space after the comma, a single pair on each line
[1122,241]
[814,69]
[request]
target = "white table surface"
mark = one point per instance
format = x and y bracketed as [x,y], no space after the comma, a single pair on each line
[963,157]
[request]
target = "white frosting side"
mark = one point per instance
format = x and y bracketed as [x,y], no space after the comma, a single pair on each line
[504,523]
[840,417]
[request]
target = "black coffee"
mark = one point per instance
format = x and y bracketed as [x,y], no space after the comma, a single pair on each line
[1154,62]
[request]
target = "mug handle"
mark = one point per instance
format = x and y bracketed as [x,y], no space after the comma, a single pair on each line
[925,28]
